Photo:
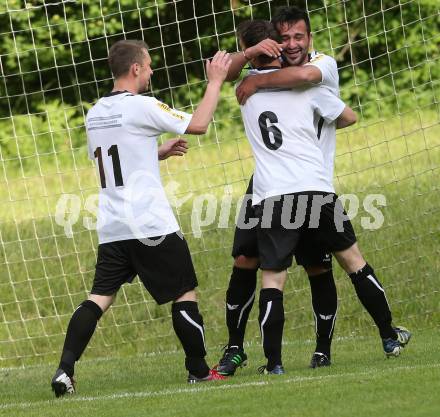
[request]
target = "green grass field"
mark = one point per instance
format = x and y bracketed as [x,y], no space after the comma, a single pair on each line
[360,382]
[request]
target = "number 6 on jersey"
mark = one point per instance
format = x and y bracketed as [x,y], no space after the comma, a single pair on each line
[277,141]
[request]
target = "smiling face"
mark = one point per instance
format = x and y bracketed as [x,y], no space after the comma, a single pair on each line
[296,41]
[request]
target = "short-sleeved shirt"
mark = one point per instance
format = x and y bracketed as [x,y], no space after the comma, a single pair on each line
[122,132]
[326,131]
[279,124]
[329,71]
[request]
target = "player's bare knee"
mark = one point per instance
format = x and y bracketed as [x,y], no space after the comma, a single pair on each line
[103,301]
[188,296]
[274,279]
[245,262]
[351,259]
[314,270]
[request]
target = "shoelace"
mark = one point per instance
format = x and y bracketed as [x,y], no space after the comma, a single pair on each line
[261,369]
[228,355]
[402,337]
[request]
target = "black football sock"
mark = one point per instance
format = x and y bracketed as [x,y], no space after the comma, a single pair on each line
[325,306]
[240,298]
[188,325]
[271,319]
[372,296]
[79,332]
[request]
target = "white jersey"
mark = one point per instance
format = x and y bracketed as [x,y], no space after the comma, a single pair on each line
[122,131]
[326,131]
[329,71]
[280,127]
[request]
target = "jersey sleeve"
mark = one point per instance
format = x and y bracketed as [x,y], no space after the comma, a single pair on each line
[329,70]
[326,104]
[161,118]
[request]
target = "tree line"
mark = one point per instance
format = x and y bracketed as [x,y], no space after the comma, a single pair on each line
[53,54]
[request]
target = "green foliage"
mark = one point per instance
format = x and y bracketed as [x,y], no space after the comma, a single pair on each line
[387,53]
[55,56]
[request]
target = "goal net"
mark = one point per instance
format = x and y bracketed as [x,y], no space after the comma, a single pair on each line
[53,68]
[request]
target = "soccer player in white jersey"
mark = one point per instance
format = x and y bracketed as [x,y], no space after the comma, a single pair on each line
[293,197]
[138,233]
[317,69]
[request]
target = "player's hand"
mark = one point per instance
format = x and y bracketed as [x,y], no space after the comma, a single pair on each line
[246,88]
[266,47]
[217,68]
[173,147]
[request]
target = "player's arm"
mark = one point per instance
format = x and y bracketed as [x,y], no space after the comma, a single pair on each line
[239,59]
[173,147]
[289,77]
[331,108]
[347,118]
[216,71]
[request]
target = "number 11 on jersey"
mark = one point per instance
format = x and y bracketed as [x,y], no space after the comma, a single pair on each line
[114,154]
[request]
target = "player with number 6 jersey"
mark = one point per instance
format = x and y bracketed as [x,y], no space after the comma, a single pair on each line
[280,127]
[316,69]
[288,128]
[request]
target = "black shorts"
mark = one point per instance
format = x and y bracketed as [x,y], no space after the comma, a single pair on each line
[165,269]
[311,217]
[309,252]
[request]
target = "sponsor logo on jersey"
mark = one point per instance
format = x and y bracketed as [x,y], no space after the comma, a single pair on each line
[167,108]
[316,57]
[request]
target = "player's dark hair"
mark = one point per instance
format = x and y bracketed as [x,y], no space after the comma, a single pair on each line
[124,53]
[252,32]
[290,15]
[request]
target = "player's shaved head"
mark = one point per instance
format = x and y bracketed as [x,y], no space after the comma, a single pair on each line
[251,32]
[123,54]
